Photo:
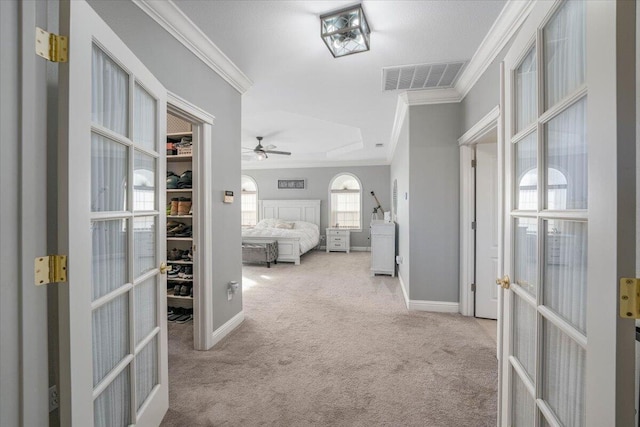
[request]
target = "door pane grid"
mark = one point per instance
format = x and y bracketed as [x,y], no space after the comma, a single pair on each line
[560,217]
[128,121]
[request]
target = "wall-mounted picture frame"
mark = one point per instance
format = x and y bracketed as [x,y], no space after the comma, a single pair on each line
[291,184]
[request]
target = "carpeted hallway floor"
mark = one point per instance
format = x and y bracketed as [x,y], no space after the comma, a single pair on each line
[325,344]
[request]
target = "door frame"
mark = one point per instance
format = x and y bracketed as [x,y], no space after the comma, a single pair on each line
[202,123]
[467,143]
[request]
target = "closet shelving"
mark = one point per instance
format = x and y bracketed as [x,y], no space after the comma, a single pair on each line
[178,164]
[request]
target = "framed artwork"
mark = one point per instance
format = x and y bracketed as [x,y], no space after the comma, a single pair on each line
[291,184]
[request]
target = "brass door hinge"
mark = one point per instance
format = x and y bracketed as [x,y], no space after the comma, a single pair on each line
[51,46]
[50,269]
[630,298]
[473,163]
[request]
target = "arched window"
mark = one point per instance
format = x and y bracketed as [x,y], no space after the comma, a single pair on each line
[345,202]
[249,201]
[557,190]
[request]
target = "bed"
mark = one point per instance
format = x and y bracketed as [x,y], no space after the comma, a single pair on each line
[294,242]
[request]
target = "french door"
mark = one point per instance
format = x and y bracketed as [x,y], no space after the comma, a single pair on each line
[113,335]
[563,357]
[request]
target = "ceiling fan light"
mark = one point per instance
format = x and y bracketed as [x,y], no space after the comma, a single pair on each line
[345,31]
[261,156]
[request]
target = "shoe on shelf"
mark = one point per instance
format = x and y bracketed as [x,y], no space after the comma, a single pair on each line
[174,206]
[187,272]
[191,291]
[184,206]
[185,232]
[177,230]
[175,254]
[176,289]
[186,255]
[184,290]
[169,208]
[172,180]
[185,180]
[175,272]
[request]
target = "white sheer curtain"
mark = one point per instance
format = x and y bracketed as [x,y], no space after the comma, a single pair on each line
[526,86]
[249,208]
[523,410]
[113,408]
[144,119]
[565,51]
[565,241]
[526,153]
[110,92]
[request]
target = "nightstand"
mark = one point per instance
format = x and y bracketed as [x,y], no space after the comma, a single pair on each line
[338,240]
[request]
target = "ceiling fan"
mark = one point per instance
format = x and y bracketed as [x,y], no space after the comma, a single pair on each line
[260,152]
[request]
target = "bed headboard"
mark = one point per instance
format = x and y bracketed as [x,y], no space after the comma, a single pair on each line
[291,210]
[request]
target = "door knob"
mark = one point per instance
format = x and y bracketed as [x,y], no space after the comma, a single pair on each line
[504,283]
[164,268]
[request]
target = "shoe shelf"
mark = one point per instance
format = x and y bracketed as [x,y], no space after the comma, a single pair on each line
[180,158]
[180,190]
[178,135]
[180,263]
[169,296]
[179,279]
[179,216]
[180,239]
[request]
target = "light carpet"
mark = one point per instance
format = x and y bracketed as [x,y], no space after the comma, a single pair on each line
[325,344]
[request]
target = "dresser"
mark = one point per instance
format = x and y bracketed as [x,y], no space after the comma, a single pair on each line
[383,247]
[338,239]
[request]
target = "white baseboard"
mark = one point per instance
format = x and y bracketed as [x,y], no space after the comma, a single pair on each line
[352,248]
[435,306]
[225,329]
[404,291]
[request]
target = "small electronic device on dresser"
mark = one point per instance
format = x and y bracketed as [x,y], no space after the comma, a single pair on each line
[338,239]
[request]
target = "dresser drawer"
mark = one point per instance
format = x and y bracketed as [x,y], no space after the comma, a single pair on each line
[332,233]
[337,239]
[337,245]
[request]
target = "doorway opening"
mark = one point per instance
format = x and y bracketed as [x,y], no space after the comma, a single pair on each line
[188,299]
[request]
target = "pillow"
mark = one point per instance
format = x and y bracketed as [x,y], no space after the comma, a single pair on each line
[285,225]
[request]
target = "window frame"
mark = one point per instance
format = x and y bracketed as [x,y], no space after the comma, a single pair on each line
[330,207]
[242,192]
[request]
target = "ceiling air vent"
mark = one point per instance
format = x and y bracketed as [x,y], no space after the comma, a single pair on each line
[424,76]
[378,145]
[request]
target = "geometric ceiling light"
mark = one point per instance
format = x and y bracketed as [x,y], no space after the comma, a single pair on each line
[345,31]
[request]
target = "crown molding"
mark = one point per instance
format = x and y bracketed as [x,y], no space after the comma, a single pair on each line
[511,17]
[183,29]
[480,129]
[402,107]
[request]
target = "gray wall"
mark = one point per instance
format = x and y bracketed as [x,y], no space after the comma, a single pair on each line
[185,75]
[10,215]
[434,201]
[373,178]
[485,94]
[400,172]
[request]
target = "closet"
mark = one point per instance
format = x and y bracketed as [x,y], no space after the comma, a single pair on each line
[181,213]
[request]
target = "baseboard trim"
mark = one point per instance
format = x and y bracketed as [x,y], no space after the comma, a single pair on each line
[352,249]
[404,291]
[225,329]
[434,306]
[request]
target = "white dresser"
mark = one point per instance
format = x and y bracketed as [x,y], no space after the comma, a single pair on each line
[338,240]
[383,247]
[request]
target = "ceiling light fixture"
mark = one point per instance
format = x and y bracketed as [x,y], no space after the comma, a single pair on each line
[345,31]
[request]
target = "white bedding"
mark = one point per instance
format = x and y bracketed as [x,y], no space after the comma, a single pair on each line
[308,233]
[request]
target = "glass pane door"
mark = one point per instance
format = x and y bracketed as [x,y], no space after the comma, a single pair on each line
[548,223]
[125,242]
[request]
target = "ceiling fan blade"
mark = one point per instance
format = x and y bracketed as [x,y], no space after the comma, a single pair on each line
[248,157]
[270,147]
[286,153]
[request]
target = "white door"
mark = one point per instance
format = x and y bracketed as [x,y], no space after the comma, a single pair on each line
[567,355]
[113,309]
[486,230]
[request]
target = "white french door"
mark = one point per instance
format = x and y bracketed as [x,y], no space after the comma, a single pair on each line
[561,356]
[112,165]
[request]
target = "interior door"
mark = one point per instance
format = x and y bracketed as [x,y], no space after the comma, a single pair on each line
[486,230]
[113,319]
[565,349]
